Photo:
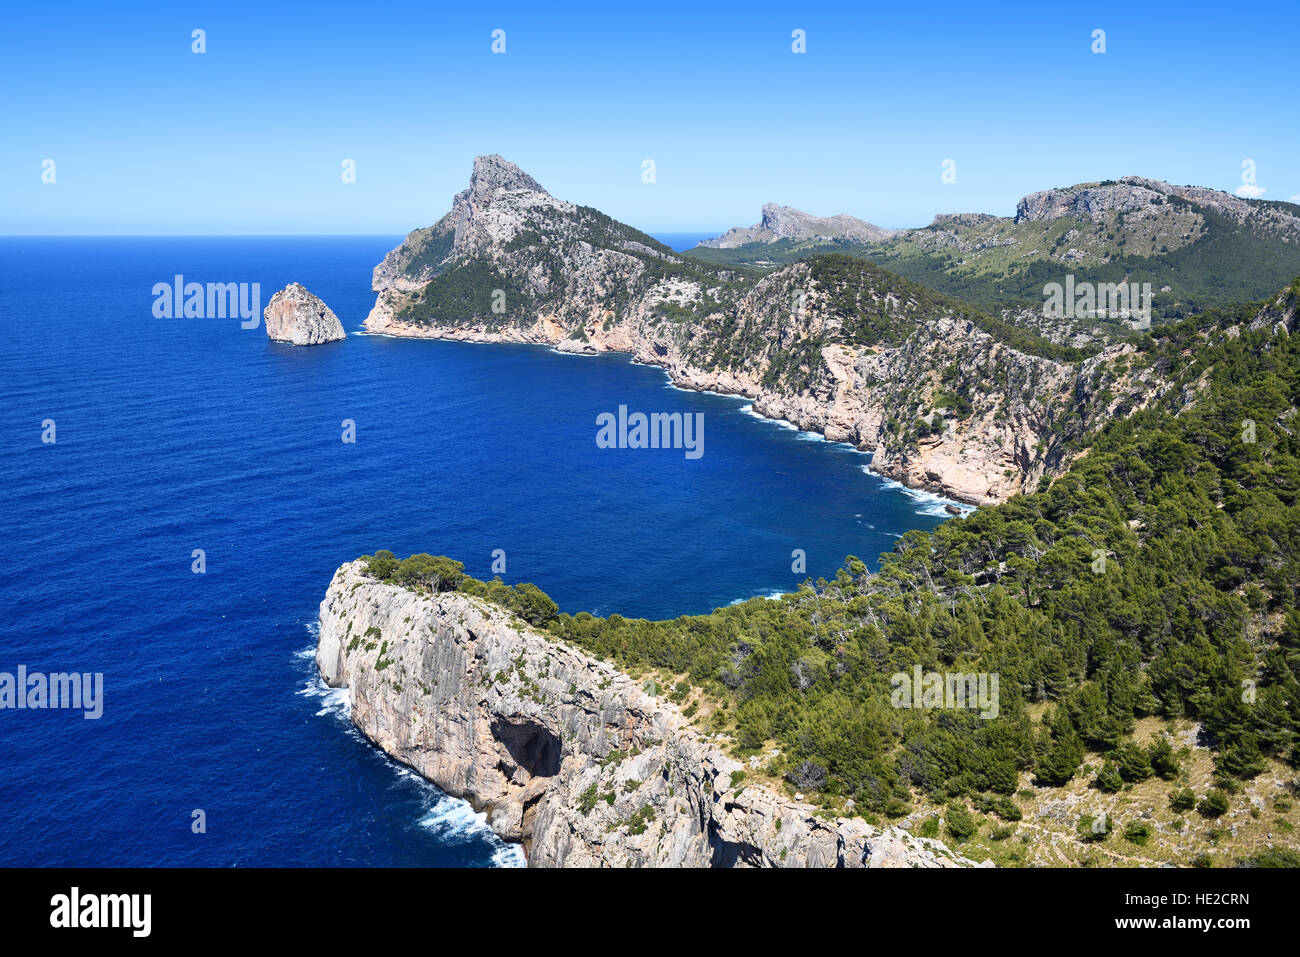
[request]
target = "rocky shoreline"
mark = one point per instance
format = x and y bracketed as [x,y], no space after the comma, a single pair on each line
[982,461]
[941,403]
[836,424]
[562,752]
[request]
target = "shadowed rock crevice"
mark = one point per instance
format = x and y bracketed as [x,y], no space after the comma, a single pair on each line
[531,746]
[732,853]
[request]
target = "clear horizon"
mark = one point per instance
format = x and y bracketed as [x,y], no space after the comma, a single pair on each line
[251,136]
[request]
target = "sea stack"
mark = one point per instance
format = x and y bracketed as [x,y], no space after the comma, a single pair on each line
[296,316]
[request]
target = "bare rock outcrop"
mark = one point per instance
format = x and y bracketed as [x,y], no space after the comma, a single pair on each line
[295,315]
[563,752]
[786,222]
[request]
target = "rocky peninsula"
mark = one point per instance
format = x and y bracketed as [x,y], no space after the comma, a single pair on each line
[561,751]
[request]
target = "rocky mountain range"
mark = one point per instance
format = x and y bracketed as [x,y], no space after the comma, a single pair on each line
[785,222]
[1199,248]
[946,398]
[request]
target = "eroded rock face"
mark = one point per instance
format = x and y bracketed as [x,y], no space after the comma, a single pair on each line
[295,315]
[563,752]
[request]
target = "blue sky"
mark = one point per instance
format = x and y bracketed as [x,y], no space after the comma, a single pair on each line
[249,137]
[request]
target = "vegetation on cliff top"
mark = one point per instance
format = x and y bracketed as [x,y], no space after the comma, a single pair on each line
[1155,581]
[995,262]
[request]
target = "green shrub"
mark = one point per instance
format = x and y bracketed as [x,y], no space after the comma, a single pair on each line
[960,822]
[1137,832]
[1214,804]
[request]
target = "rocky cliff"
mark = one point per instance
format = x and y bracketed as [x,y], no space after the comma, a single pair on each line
[836,346]
[561,751]
[295,315]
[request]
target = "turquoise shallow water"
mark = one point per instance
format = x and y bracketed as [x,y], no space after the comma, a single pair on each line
[183,434]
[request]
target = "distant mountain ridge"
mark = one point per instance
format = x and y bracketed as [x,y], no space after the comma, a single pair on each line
[786,222]
[1198,247]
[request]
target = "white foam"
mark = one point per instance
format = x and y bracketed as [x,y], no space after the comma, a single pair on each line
[313,629]
[453,819]
[803,435]
[927,503]
[333,701]
[770,596]
[449,817]
[510,855]
[782,424]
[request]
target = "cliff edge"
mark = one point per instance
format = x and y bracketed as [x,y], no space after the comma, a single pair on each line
[563,752]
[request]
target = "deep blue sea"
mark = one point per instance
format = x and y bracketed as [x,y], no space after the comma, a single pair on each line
[679,242]
[181,434]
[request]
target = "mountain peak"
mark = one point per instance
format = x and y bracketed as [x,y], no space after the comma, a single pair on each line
[492,173]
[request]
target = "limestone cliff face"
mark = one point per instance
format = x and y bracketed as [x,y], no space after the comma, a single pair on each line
[295,315]
[563,752]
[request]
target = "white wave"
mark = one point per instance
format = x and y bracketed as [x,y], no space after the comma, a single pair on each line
[333,701]
[453,819]
[927,503]
[510,855]
[668,381]
[449,817]
[313,629]
[770,596]
[748,409]
[721,395]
